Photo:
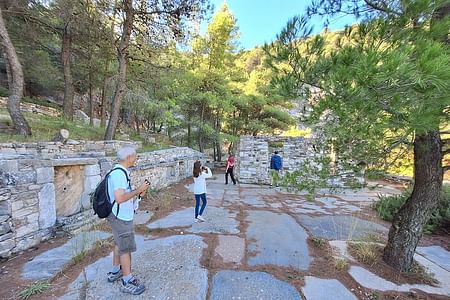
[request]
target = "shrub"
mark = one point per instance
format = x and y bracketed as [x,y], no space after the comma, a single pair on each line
[388,206]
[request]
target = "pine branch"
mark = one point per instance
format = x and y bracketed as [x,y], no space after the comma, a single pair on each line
[381,6]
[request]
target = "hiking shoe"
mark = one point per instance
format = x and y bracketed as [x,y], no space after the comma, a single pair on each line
[114,276]
[133,287]
[201,218]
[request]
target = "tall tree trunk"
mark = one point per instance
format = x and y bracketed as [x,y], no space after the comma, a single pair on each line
[189,136]
[200,131]
[218,142]
[123,63]
[103,102]
[66,56]
[105,73]
[15,81]
[91,102]
[408,224]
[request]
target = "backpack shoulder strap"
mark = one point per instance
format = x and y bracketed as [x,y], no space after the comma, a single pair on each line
[128,180]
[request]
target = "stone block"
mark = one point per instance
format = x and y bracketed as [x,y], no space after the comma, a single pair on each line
[91,182]
[34,187]
[24,212]
[27,242]
[7,236]
[47,206]
[6,247]
[45,175]
[4,228]
[16,205]
[33,218]
[85,200]
[9,166]
[5,208]
[91,170]
[4,218]
[26,229]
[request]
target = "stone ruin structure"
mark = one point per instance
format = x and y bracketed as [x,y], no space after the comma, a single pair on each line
[254,153]
[254,156]
[45,186]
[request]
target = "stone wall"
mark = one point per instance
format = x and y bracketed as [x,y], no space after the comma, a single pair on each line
[45,187]
[254,156]
[33,108]
[72,149]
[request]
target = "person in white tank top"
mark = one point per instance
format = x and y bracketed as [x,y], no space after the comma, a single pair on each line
[200,173]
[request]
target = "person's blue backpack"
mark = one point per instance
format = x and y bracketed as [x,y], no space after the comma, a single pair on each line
[101,203]
[276,162]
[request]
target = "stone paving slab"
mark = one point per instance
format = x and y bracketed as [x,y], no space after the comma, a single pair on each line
[227,285]
[218,220]
[255,201]
[325,289]
[436,254]
[231,249]
[181,218]
[49,263]
[371,281]
[142,217]
[339,227]
[169,267]
[277,239]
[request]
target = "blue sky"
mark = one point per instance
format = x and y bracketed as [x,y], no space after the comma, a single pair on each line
[260,20]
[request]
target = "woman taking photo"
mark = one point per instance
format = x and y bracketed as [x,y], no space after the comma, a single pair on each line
[200,174]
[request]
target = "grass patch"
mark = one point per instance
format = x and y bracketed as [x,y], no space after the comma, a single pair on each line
[35,288]
[367,253]
[341,264]
[79,257]
[44,128]
[419,272]
[318,242]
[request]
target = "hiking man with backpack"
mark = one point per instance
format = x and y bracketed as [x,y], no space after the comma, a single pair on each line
[122,198]
[276,165]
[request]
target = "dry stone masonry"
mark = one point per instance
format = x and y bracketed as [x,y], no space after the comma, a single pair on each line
[254,155]
[45,187]
[255,152]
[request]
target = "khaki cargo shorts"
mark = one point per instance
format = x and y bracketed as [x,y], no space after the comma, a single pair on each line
[123,233]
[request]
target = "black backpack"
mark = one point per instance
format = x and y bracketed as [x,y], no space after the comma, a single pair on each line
[100,197]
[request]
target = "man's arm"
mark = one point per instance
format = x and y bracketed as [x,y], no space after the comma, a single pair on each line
[121,196]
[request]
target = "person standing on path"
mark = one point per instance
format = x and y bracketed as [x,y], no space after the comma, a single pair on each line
[200,174]
[121,220]
[276,165]
[230,169]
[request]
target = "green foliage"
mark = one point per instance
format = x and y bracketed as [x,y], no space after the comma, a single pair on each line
[370,87]
[35,288]
[275,144]
[388,206]
[4,92]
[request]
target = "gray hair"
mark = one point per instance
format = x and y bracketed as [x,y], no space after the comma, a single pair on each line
[124,152]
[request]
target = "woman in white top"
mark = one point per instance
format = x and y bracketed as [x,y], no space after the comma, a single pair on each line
[200,173]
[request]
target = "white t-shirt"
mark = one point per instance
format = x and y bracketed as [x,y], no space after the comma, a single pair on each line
[118,180]
[200,182]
